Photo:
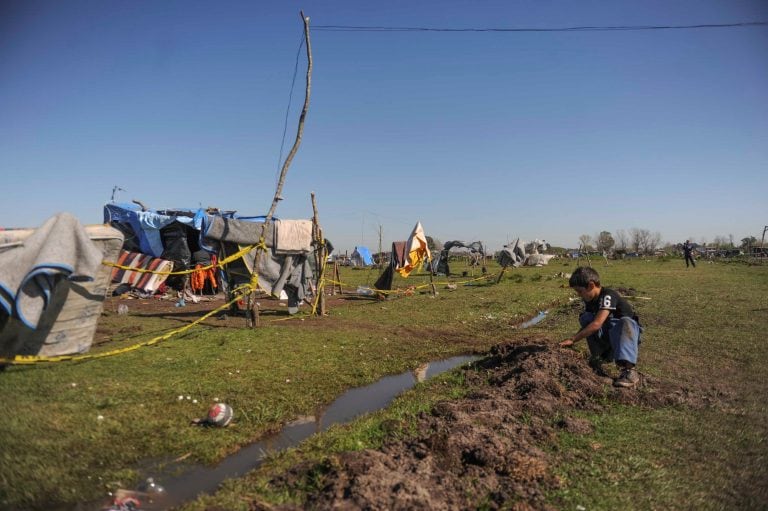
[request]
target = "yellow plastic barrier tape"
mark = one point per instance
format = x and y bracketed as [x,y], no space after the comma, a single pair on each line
[31,359]
[237,255]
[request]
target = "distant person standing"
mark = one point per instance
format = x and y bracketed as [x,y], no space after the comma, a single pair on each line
[688,253]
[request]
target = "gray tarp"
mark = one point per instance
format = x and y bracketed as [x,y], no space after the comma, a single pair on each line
[515,255]
[277,272]
[441,265]
[512,255]
[237,231]
[66,308]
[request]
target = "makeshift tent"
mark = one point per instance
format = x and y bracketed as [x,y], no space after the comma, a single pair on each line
[516,254]
[53,285]
[512,255]
[406,257]
[416,251]
[440,265]
[361,256]
[189,237]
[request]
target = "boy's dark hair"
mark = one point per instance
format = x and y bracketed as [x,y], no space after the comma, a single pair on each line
[582,276]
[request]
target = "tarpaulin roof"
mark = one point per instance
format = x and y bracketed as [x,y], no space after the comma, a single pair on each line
[146,224]
[364,253]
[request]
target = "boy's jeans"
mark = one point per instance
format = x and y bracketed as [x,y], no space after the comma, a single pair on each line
[618,339]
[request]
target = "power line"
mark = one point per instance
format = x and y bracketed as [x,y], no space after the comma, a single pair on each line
[344,28]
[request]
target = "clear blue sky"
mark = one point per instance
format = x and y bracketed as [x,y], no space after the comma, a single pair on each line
[480,136]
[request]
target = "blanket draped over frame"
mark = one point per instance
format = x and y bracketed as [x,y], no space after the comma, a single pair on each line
[54,286]
[59,249]
[285,266]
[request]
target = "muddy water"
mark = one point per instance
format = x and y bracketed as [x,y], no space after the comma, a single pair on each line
[534,320]
[351,404]
[199,480]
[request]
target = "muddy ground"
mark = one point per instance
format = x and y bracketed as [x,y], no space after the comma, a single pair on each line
[486,450]
[270,311]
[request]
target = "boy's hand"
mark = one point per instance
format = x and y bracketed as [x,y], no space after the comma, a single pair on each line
[566,343]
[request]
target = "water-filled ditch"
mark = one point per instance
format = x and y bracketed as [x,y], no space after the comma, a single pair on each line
[348,406]
[355,402]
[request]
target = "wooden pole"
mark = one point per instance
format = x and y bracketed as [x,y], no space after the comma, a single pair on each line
[501,274]
[320,257]
[337,277]
[287,163]
[431,276]
[278,197]
[253,310]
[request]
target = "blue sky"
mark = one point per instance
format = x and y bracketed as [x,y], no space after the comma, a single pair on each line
[480,136]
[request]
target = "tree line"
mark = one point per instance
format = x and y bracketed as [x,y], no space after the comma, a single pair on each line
[643,241]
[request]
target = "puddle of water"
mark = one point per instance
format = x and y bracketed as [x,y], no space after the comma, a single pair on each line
[534,320]
[353,403]
[199,480]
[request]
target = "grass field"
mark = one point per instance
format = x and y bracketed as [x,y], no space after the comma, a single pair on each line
[75,430]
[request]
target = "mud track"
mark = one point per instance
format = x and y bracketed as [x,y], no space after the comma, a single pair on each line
[485,450]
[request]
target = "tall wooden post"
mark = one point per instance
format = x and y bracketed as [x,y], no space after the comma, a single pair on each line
[320,257]
[431,277]
[297,142]
[278,197]
[337,277]
[501,274]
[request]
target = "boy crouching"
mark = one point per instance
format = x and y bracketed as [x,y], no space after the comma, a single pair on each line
[609,325]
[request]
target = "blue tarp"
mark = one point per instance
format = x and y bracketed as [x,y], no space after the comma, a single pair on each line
[147,224]
[363,255]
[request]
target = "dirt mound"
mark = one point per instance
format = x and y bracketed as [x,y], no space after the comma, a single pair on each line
[480,451]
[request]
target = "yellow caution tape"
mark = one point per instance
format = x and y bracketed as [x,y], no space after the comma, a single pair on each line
[32,359]
[237,255]
[240,292]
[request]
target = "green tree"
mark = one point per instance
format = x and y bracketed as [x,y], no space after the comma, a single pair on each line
[604,241]
[585,242]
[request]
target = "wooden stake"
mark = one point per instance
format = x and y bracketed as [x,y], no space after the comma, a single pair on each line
[320,257]
[431,278]
[254,313]
[501,274]
[336,279]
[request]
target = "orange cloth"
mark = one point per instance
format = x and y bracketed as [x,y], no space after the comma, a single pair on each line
[199,276]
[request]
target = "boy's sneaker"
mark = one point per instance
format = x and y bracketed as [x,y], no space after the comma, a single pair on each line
[628,377]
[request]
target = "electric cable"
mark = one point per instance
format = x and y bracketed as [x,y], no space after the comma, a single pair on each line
[352,28]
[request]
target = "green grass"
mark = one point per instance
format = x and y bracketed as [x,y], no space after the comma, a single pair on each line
[705,328]
[78,429]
